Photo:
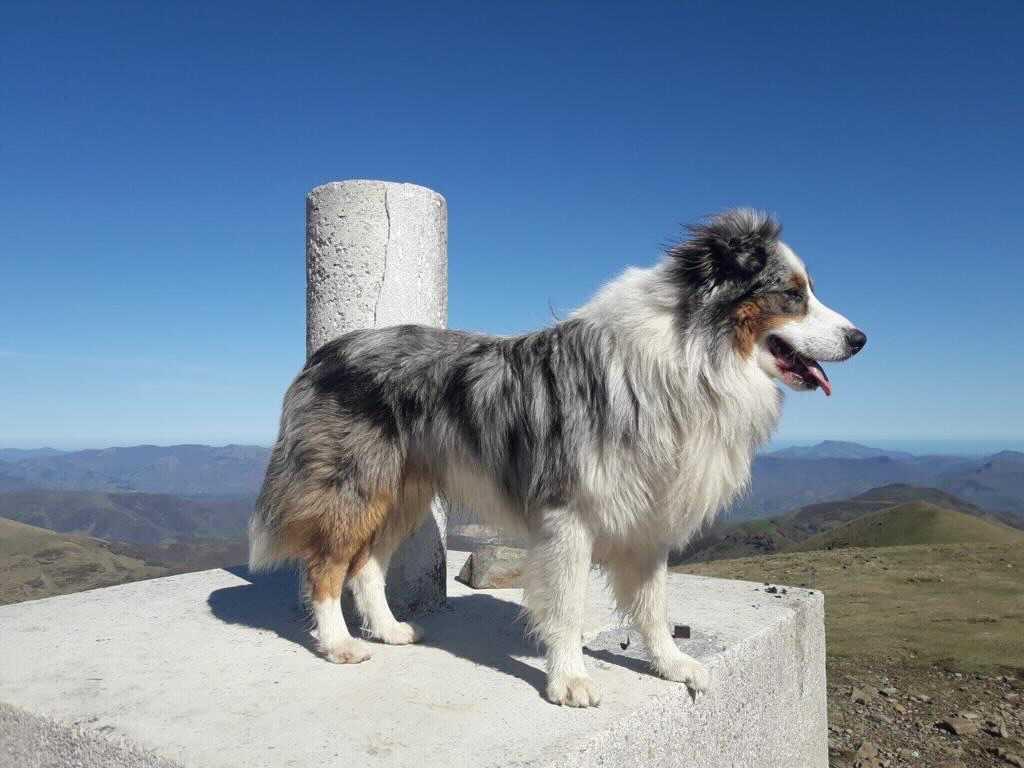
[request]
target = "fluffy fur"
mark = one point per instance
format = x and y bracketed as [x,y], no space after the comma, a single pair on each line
[609,438]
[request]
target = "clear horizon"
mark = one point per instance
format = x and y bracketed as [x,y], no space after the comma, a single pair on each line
[963,447]
[155,162]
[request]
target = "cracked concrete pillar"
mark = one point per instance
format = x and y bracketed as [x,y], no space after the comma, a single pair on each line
[377,255]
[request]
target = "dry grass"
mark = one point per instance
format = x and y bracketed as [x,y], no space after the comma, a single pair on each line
[957,603]
[36,563]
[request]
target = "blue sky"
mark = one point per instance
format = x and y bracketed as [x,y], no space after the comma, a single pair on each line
[154,160]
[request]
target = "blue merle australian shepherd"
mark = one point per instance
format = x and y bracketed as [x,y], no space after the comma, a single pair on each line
[608,438]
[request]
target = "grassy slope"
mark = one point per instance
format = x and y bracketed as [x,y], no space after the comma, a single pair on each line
[766,536]
[38,563]
[198,554]
[917,522]
[899,494]
[923,604]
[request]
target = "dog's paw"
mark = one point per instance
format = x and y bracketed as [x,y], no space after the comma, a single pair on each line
[577,691]
[687,670]
[400,633]
[349,651]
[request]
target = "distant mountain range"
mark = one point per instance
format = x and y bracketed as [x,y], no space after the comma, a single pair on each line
[184,470]
[837,449]
[137,518]
[994,483]
[17,454]
[149,494]
[169,508]
[794,477]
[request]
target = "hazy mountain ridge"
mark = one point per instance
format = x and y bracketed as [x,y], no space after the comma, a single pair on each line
[996,482]
[783,481]
[184,470]
[141,518]
[779,485]
[838,449]
[17,454]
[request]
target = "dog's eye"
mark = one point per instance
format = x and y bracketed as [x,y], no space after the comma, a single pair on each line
[794,294]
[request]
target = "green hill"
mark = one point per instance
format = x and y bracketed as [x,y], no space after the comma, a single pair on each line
[38,563]
[726,540]
[912,523]
[898,493]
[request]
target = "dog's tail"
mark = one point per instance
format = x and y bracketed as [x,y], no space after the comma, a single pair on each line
[261,546]
[265,523]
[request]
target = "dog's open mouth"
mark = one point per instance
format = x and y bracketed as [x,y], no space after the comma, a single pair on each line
[797,370]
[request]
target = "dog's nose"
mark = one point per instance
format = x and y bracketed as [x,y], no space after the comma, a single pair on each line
[856,340]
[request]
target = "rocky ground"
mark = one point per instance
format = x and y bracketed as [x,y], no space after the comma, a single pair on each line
[890,715]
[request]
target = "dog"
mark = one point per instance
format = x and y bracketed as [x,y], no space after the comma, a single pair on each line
[610,437]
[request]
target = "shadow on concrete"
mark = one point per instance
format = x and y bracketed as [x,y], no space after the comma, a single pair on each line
[487,631]
[269,601]
[634,659]
[626,662]
[480,628]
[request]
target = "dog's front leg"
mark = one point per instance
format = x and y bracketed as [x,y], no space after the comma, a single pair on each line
[639,585]
[555,592]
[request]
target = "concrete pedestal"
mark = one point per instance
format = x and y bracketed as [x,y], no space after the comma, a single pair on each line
[216,669]
[377,255]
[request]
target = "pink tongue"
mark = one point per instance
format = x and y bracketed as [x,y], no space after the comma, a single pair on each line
[819,375]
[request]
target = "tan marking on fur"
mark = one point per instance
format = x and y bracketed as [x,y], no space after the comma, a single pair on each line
[337,545]
[332,525]
[375,514]
[329,531]
[360,558]
[400,521]
[326,578]
[753,319]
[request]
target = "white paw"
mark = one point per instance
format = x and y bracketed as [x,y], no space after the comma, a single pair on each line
[349,651]
[577,691]
[400,633]
[686,670]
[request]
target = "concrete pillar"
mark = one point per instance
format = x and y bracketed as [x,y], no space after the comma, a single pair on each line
[377,255]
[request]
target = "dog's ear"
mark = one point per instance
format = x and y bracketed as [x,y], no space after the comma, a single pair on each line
[732,246]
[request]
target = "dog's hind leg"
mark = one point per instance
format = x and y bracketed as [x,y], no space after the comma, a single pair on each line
[333,537]
[638,581]
[368,580]
[557,575]
[325,577]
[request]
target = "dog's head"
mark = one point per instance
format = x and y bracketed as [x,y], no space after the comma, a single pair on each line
[747,285]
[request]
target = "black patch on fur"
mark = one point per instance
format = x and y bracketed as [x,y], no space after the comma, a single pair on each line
[457,400]
[731,247]
[355,389]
